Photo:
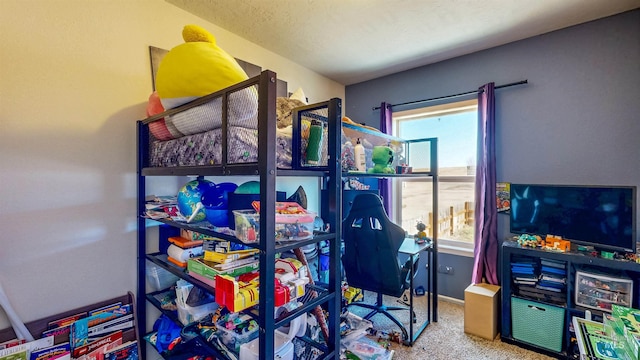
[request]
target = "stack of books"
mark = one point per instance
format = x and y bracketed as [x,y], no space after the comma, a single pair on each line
[545,281]
[222,261]
[183,249]
[553,276]
[87,335]
[524,271]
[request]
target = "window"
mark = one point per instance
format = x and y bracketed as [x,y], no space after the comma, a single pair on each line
[455,125]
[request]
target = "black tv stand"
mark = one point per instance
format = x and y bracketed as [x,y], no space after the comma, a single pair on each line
[574,261]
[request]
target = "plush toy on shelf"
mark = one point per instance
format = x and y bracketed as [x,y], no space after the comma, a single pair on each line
[382,158]
[159,128]
[198,68]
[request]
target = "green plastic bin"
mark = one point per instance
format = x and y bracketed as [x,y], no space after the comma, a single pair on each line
[537,323]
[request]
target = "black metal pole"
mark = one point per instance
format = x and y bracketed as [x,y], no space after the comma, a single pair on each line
[522,82]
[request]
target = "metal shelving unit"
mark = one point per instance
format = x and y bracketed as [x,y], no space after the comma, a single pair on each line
[267,171]
[430,171]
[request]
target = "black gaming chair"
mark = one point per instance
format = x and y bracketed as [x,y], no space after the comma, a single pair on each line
[370,258]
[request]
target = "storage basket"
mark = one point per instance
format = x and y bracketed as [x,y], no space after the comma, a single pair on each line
[159,278]
[537,323]
[289,227]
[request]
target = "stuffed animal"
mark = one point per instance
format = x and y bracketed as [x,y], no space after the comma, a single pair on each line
[198,68]
[285,106]
[159,128]
[382,158]
[284,111]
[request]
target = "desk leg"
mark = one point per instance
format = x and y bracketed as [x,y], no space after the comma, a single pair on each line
[413,259]
[434,274]
[430,293]
[414,333]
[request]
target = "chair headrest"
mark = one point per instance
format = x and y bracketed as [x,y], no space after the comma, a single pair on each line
[368,202]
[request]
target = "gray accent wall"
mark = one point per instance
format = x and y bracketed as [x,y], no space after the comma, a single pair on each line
[577,121]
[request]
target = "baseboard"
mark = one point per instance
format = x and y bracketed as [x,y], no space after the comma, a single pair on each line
[450,299]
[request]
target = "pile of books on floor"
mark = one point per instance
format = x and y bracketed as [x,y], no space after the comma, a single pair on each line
[90,335]
[542,281]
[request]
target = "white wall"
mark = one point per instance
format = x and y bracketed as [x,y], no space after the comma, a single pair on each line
[74,77]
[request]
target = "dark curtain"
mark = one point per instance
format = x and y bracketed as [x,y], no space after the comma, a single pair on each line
[485,266]
[386,126]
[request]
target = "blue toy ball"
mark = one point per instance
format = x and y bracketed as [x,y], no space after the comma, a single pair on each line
[217,197]
[190,196]
[217,217]
[216,201]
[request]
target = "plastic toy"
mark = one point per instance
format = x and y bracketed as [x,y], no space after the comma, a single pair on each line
[631,257]
[242,293]
[556,243]
[167,332]
[235,295]
[382,158]
[189,199]
[351,294]
[529,240]
[421,236]
[393,336]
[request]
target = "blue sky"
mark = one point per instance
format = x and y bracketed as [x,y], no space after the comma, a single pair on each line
[456,137]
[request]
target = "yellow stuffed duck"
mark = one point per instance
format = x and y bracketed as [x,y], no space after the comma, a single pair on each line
[198,68]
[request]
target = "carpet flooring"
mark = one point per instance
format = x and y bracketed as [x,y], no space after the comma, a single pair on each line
[445,339]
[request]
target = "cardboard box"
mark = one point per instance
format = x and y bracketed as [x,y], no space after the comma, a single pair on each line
[481,310]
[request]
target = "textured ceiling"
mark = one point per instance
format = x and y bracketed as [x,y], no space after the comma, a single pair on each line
[351,41]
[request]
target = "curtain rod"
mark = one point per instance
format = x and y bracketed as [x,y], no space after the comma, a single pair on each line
[522,82]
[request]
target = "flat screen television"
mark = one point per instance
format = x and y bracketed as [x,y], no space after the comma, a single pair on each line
[600,216]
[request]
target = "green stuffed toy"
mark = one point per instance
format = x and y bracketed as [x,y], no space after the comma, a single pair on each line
[382,158]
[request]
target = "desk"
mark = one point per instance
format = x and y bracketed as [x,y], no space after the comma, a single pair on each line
[411,248]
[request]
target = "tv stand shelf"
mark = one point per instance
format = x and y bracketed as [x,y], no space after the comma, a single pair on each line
[624,272]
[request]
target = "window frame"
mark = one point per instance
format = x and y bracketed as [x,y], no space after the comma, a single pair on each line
[448,246]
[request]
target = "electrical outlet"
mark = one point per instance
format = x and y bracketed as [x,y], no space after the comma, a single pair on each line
[444,269]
